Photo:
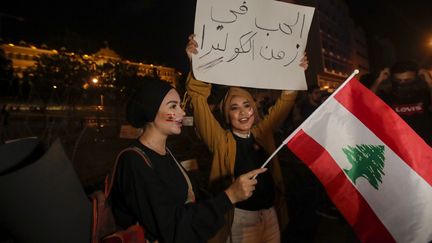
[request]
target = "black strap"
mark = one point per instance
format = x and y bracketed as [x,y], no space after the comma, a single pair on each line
[191,194]
[109,180]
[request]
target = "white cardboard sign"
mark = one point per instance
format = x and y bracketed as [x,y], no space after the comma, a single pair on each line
[251,43]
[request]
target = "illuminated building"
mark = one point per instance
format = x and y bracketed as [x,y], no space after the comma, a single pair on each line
[23,57]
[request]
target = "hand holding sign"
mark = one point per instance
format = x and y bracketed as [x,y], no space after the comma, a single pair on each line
[191,47]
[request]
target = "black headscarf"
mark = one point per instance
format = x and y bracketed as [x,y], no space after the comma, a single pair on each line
[145,102]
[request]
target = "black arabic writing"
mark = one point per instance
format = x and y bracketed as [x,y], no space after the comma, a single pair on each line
[230,47]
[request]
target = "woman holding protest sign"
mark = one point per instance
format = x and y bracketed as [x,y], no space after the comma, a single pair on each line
[245,145]
[151,188]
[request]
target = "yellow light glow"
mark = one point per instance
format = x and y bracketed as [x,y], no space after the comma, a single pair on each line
[54,87]
[95,80]
[10,44]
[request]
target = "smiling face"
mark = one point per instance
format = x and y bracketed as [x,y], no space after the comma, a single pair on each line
[241,114]
[170,115]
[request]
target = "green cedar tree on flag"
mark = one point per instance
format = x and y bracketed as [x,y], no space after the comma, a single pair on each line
[375,168]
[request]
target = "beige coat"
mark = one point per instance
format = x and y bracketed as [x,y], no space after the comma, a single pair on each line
[222,144]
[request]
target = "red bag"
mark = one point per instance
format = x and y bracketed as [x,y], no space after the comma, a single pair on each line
[104,229]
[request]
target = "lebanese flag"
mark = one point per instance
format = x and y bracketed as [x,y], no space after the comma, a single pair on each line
[375,168]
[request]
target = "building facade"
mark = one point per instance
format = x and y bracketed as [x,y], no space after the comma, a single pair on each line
[25,56]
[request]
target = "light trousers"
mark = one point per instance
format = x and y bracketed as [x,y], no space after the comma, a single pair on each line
[255,226]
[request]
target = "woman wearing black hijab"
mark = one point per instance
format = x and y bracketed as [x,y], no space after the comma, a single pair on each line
[159,195]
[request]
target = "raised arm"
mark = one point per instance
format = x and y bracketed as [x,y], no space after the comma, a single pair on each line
[383,75]
[208,127]
[279,112]
[428,78]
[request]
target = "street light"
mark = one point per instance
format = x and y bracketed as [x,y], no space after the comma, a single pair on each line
[101,97]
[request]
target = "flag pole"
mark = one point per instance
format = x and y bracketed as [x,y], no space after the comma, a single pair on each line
[355,72]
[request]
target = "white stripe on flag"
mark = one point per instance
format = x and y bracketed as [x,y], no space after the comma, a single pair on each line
[403,202]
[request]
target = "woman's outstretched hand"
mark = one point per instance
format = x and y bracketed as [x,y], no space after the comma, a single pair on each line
[191,47]
[243,186]
[304,62]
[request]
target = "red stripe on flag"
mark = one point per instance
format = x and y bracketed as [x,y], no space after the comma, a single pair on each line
[342,192]
[387,126]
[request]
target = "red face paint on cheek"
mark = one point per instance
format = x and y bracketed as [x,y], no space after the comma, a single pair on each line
[170,117]
[250,112]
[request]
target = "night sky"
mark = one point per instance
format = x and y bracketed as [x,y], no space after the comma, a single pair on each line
[145,30]
[408,24]
[156,30]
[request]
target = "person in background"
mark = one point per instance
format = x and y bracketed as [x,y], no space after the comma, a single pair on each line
[160,196]
[375,83]
[307,106]
[409,95]
[244,146]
